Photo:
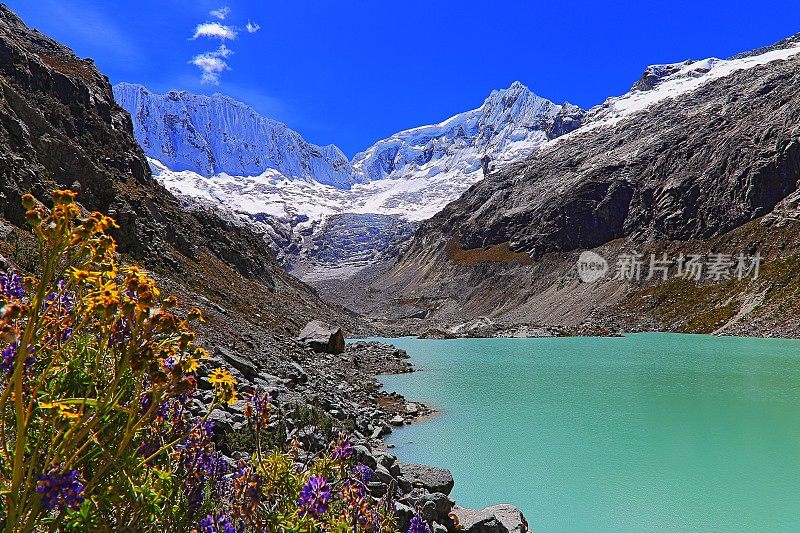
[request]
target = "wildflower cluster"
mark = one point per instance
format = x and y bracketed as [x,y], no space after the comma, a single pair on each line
[216,523]
[89,409]
[418,525]
[100,428]
[60,490]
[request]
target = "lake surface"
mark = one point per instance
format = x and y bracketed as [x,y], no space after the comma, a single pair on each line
[650,432]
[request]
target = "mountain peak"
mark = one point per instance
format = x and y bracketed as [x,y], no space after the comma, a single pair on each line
[216,134]
[515,90]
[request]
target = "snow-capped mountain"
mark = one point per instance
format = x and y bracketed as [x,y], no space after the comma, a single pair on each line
[213,150]
[508,126]
[660,82]
[212,135]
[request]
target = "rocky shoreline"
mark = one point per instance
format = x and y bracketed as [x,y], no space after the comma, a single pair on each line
[316,395]
[486,328]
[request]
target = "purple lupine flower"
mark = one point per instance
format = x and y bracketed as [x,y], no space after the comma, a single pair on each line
[418,525]
[363,473]
[343,451]
[246,491]
[9,355]
[145,401]
[64,299]
[11,286]
[60,490]
[216,524]
[121,333]
[201,464]
[314,497]
[257,408]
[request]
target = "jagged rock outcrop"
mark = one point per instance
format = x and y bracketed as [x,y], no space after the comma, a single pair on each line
[430,478]
[501,518]
[322,338]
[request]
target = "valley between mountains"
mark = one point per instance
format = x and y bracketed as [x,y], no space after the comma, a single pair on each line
[473,226]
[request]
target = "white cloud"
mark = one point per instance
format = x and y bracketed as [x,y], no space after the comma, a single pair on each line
[221,13]
[212,64]
[215,30]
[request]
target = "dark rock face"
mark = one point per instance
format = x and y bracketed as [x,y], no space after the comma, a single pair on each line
[59,125]
[357,238]
[322,337]
[692,167]
[501,518]
[569,118]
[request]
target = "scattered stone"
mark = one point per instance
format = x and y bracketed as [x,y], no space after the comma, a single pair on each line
[239,362]
[322,338]
[441,502]
[438,528]
[495,519]
[431,478]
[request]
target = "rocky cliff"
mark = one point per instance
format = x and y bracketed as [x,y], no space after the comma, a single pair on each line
[61,127]
[688,161]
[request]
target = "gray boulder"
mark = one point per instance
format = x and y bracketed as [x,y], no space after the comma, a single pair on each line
[322,338]
[239,362]
[431,478]
[502,518]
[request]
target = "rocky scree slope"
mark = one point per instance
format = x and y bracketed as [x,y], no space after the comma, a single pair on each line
[692,160]
[216,151]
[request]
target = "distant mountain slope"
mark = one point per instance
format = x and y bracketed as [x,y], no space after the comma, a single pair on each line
[685,162]
[214,151]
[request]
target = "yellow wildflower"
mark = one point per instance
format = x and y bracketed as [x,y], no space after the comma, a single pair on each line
[190,364]
[232,398]
[221,378]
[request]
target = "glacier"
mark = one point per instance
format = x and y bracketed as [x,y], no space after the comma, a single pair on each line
[213,151]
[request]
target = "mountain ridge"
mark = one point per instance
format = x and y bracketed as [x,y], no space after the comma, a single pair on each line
[706,160]
[197,133]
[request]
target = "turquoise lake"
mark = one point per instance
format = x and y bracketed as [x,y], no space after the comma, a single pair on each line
[649,432]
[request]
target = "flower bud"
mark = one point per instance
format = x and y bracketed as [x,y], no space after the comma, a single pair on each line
[34,218]
[28,201]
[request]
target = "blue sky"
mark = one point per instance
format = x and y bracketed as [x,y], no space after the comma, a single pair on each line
[353,72]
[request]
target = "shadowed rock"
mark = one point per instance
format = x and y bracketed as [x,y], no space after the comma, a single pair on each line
[500,518]
[323,338]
